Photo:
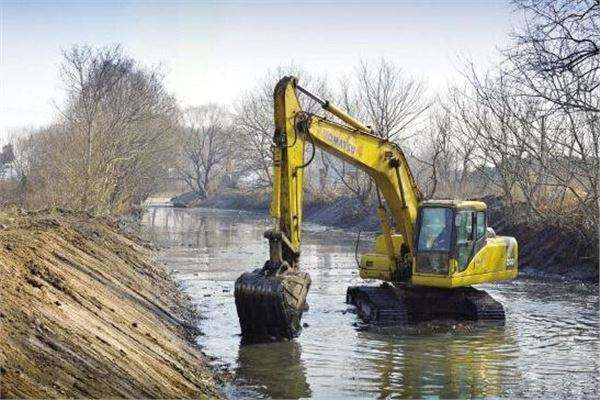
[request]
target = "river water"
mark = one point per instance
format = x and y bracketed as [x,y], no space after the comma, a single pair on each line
[548,347]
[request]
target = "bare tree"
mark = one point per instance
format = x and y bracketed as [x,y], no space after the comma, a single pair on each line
[254,118]
[556,55]
[120,127]
[387,100]
[443,157]
[556,58]
[392,101]
[114,143]
[541,157]
[353,180]
[207,133]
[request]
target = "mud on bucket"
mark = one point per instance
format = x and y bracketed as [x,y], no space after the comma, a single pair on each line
[270,306]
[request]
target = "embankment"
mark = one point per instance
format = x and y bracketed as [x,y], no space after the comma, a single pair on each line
[341,212]
[86,312]
[547,252]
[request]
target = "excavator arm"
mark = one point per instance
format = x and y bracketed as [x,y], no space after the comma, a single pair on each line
[270,301]
[353,143]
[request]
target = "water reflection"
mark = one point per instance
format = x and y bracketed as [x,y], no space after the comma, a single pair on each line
[549,345]
[451,365]
[275,368]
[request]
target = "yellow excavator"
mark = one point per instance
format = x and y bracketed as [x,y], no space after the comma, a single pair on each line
[428,254]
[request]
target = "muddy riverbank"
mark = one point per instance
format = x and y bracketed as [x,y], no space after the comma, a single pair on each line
[545,252]
[86,311]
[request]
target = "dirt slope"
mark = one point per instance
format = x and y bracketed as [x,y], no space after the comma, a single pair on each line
[86,312]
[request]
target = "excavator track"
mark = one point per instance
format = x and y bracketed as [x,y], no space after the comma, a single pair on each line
[378,305]
[406,305]
[269,305]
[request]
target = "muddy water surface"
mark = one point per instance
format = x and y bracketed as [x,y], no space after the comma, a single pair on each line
[549,346]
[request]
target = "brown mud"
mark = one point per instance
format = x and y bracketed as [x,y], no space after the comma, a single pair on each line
[85,311]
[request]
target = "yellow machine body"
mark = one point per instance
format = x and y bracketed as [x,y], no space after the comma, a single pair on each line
[377,264]
[492,258]
[425,245]
[470,254]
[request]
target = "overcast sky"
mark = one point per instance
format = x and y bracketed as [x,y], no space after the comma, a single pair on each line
[214,51]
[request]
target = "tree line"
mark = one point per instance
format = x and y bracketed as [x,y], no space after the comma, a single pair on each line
[111,144]
[526,130]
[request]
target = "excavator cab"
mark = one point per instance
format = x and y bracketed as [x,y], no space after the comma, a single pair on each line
[454,248]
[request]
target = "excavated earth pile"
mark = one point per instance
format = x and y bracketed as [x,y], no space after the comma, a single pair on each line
[86,312]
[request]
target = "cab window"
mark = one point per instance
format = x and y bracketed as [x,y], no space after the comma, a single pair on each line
[436,229]
[464,238]
[480,224]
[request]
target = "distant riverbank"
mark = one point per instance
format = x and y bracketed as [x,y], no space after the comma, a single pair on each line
[543,253]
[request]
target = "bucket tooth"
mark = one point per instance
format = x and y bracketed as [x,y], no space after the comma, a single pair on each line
[270,306]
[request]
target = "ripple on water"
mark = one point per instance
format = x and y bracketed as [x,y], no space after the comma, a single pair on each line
[549,346]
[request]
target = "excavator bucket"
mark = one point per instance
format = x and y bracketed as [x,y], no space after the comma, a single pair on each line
[270,305]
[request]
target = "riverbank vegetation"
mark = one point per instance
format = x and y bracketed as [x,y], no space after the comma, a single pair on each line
[525,130]
[111,144]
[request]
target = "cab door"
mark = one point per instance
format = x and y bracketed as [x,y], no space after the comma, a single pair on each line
[470,237]
[465,239]
[480,239]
